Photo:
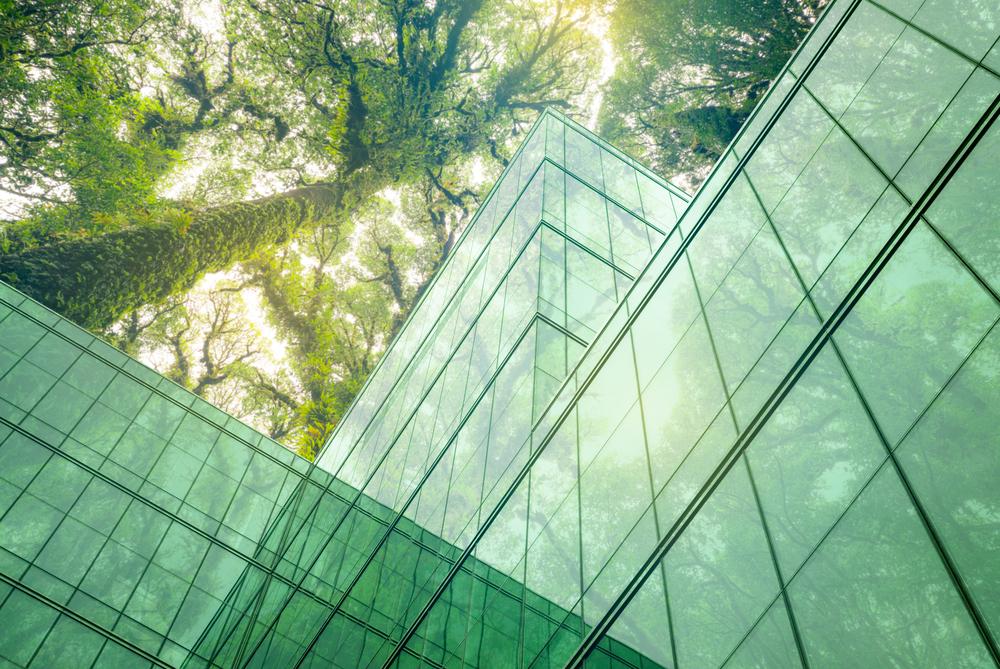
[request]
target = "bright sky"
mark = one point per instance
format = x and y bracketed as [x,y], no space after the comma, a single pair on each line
[598,26]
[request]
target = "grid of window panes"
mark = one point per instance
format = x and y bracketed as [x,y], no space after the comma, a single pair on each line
[782,449]
[605,204]
[191,532]
[128,506]
[567,228]
[131,511]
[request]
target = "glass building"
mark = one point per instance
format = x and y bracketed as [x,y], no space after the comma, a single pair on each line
[756,429]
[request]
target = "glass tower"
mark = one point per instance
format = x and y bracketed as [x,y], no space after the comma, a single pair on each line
[437,436]
[621,429]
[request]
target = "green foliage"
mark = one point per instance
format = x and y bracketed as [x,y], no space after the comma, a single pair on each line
[690,72]
[355,97]
[336,316]
[70,114]
[319,417]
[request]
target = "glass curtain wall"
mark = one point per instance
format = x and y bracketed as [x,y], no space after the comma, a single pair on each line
[141,526]
[762,434]
[781,450]
[543,264]
[128,506]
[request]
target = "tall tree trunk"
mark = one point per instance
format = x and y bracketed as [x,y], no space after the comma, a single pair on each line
[97,280]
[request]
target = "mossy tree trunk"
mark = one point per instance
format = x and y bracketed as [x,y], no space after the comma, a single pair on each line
[96,280]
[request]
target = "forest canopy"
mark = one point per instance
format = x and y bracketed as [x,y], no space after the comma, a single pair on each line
[250,195]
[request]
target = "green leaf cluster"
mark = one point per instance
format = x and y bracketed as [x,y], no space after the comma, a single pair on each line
[690,72]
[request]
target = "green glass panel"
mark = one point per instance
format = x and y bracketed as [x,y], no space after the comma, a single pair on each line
[967,210]
[734,224]
[812,458]
[137,450]
[608,510]
[912,329]
[212,492]
[249,513]
[828,201]
[53,354]
[971,26]
[751,305]
[25,384]
[116,657]
[25,622]
[963,501]
[59,483]
[770,645]
[681,401]
[645,625]
[181,551]
[62,407]
[70,550]
[993,58]
[662,323]
[92,609]
[141,529]
[69,644]
[904,8]
[720,576]
[19,333]
[851,59]
[160,416]
[114,574]
[858,251]
[230,457]
[27,526]
[194,616]
[156,599]
[219,571]
[100,506]
[876,589]
[21,459]
[100,428]
[125,396]
[773,364]
[175,471]
[916,79]
[949,130]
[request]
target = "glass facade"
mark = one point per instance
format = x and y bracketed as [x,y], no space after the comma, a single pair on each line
[434,440]
[621,429]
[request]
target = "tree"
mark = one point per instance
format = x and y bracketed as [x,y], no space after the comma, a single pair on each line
[260,142]
[332,102]
[97,279]
[338,316]
[203,339]
[690,72]
[68,74]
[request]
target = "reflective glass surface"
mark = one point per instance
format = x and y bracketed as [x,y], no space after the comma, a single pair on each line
[757,429]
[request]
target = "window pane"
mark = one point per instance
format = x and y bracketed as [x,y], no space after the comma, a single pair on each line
[720,576]
[811,458]
[770,645]
[912,329]
[970,25]
[952,463]
[903,98]
[877,590]
[967,210]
